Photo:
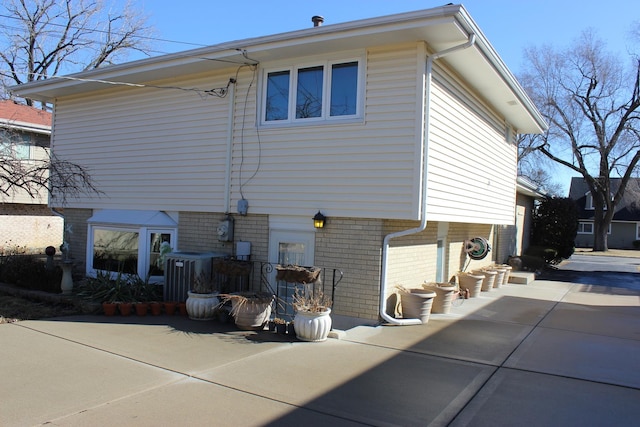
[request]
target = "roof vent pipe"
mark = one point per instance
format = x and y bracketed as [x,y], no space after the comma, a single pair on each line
[317,20]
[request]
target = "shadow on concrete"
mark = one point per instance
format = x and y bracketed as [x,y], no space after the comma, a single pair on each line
[599,278]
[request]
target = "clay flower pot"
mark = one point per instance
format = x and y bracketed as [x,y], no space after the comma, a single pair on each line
[109,308]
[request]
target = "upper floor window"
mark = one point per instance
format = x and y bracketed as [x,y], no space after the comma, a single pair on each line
[317,92]
[15,145]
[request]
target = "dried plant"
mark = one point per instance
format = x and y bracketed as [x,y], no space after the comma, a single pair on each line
[203,285]
[311,300]
[240,299]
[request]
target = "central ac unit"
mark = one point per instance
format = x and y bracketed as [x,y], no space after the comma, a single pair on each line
[182,269]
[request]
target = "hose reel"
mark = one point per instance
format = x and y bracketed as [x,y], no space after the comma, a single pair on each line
[477,248]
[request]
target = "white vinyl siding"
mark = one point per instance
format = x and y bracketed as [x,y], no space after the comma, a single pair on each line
[363,169]
[472,168]
[148,148]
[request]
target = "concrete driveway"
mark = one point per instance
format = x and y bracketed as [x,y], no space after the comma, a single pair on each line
[602,270]
[544,354]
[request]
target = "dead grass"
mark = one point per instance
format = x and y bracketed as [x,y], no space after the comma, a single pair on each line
[14,308]
[628,253]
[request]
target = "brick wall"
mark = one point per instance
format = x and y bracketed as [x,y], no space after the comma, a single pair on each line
[354,247]
[28,226]
[76,220]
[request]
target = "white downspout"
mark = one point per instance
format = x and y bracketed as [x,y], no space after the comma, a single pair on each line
[227,178]
[423,213]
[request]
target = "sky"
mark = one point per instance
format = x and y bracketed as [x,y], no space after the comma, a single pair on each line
[509,25]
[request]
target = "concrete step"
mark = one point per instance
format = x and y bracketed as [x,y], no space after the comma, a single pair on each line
[521,277]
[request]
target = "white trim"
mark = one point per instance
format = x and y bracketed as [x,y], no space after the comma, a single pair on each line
[325,118]
[132,217]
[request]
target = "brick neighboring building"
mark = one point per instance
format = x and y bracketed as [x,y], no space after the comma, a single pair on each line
[25,221]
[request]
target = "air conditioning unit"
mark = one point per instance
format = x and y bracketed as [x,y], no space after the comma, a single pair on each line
[182,269]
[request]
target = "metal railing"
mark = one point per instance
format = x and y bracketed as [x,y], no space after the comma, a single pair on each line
[232,275]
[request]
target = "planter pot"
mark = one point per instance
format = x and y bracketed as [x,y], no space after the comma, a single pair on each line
[291,328]
[312,326]
[125,308]
[444,297]
[281,328]
[141,308]
[250,315]
[170,308]
[507,273]
[499,277]
[156,308]
[109,308]
[489,279]
[202,306]
[417,303]
[473,282]
[182,308]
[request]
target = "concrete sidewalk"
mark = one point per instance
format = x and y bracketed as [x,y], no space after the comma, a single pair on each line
[549,353]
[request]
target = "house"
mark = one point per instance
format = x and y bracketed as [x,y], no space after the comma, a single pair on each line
[513,239]
[26,222]
[400,130]
[625,226]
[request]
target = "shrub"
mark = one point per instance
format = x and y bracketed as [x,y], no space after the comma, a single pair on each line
[29,272]
[555,226]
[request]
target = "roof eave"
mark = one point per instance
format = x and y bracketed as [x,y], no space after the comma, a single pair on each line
[441,28]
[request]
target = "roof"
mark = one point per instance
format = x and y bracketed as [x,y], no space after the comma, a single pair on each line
[627,210]
[441,28]
[23,117]
[528,188]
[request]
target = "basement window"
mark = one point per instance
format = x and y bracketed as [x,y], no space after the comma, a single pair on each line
[129,242]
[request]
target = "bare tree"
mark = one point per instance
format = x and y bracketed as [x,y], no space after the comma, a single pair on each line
[593,109]
[62,178]
[536,166]
[42,38]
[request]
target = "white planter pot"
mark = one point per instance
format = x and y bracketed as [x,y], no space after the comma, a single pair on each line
[417,303]
[250,315]
[311,326]
[202,306]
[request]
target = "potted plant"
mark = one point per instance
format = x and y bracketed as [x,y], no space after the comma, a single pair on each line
[202,299]
[312,321]
[444,296]
[416,303]
[250,310]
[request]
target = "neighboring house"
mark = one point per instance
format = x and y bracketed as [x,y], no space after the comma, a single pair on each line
[625,226]
[513,240]
[400,129]
[26,222]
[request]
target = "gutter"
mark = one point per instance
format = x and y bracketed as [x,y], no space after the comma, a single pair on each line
[227,178]
[423,214]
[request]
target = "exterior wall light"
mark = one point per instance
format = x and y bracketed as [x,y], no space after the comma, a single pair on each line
[319,220]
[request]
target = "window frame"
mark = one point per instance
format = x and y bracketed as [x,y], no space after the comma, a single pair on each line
[144,247]
[327,75]
[581,225]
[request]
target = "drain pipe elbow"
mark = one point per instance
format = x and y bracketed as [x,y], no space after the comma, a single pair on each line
[423,223]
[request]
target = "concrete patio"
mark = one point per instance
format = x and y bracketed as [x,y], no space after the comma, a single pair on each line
[548,353]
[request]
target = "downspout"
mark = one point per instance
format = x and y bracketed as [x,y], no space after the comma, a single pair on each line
[227,178]
[423,213]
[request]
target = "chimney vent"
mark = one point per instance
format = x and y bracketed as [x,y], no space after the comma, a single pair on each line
[317,20]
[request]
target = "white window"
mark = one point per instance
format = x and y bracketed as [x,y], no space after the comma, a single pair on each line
[328,90]
[585,228]
[116,245]
[637,230]
[15,145]
[588,203]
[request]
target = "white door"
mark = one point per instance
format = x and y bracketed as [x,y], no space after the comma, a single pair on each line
[289,247]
